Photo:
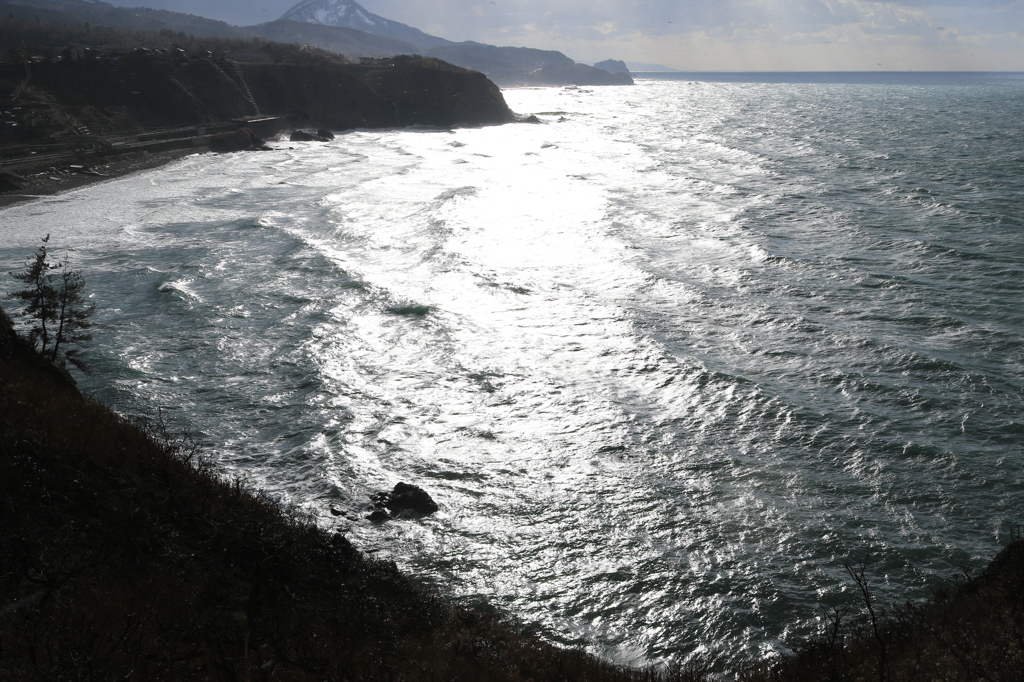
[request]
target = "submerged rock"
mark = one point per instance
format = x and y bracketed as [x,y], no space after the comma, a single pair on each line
[404,498]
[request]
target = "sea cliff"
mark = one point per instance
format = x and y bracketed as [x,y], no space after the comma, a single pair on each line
[119,95]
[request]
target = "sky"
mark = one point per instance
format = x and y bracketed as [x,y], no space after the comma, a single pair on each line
[761,35]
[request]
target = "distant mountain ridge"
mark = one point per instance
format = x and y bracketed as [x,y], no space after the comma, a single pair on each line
[503,65]
[350,14]
[341,26]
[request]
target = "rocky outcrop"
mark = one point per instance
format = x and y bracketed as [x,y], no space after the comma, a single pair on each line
[404,499]
[303,136]
[322,135]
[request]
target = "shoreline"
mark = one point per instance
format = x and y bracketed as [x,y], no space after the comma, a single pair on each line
[46,178]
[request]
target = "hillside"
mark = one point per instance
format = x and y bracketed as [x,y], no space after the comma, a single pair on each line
[128,94]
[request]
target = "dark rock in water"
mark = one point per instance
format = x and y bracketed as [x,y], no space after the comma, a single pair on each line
[322,135]
[530,119]
[404,498]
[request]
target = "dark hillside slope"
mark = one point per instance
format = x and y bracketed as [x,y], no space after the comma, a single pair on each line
[145,91]
[136,92]
[414,91]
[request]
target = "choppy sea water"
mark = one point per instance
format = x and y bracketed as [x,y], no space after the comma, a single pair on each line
[665,360]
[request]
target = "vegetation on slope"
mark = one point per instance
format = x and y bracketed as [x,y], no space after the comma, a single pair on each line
[972,632]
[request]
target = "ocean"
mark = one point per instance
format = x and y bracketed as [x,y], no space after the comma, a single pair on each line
[666,360]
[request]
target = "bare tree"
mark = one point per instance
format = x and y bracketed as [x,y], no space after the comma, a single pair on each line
[54,299]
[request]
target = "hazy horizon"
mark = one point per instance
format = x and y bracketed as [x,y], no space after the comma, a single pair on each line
[732,35]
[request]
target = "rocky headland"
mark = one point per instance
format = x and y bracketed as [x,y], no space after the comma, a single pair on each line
[79,117]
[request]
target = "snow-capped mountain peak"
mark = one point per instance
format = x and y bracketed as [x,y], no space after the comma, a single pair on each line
[345,13]
[350,14]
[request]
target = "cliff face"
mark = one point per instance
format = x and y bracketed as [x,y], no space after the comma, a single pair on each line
[132,93]
[411,92]
[140,92]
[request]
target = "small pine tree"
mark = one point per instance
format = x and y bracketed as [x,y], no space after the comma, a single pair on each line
[56,304]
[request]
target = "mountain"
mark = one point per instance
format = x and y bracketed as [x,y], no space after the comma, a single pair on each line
[343,40]
[503,65]
[512,66]
[341,26]
[350,14]
[99,13]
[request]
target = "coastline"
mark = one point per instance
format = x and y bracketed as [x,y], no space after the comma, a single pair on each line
[46,178]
